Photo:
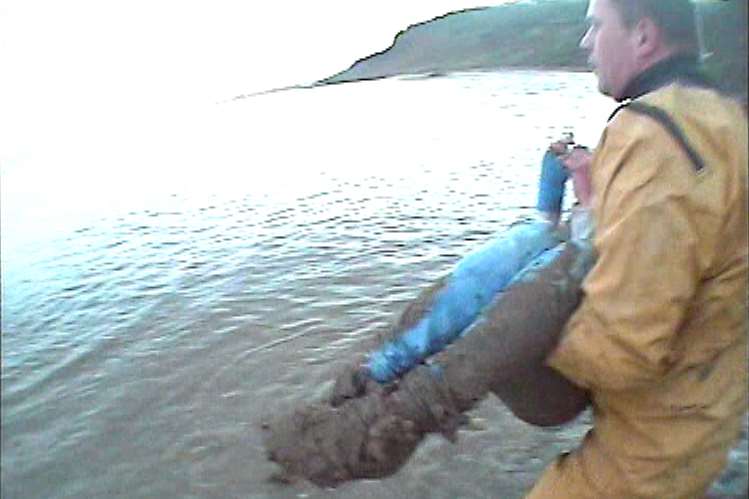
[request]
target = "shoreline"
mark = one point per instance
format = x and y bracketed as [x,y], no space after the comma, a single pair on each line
[437,72]
[419,75]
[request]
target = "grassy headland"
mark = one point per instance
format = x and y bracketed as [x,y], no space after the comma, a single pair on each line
[536,34]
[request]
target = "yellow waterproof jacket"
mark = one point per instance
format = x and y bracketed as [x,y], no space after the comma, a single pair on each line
[660,338]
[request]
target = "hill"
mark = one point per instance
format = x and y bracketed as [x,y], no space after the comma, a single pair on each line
[540,34]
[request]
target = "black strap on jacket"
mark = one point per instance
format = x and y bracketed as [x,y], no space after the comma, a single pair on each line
[681,68]
[669,124]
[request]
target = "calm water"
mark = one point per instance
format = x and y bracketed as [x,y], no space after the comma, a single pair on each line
[150,317]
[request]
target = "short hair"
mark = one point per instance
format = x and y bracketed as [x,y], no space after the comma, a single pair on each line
[675,18]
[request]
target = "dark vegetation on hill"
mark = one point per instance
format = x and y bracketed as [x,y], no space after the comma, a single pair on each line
[540,34]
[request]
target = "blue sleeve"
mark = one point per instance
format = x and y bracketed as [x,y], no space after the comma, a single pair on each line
[551,184]
[471,286]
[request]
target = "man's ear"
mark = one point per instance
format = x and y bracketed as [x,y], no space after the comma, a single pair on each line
[648,38]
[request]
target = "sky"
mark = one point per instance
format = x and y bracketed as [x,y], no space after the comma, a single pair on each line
[57,55]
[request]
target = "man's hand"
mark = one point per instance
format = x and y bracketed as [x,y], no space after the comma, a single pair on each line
[577,162]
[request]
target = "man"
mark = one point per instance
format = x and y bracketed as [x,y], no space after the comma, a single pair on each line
[660,338]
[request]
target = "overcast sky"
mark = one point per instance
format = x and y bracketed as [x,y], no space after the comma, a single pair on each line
[181,48]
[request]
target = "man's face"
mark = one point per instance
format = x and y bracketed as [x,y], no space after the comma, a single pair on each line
[611,46]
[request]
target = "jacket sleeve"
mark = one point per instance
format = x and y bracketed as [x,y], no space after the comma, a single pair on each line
[637,294]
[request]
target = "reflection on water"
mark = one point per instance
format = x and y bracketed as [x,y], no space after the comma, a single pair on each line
[146,332]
